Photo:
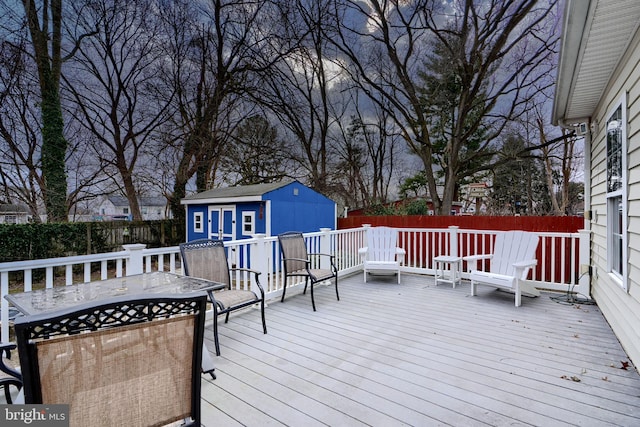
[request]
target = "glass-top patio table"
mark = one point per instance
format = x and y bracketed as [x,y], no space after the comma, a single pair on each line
[61,297]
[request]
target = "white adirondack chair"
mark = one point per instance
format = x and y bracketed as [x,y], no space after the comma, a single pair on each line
[512,259]
[382,252]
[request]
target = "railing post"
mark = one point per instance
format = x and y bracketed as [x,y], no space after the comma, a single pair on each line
[366,228]
[453,240]
[260,262]
[135,261]
[584,283]
[365,241]
[325,248]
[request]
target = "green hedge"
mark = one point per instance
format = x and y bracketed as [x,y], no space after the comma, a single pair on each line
[39,241]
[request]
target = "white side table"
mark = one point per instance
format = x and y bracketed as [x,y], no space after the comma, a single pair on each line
[452,274]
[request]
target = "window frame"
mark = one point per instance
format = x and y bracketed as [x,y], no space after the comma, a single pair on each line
[251,223]
[198,222]
[617,200]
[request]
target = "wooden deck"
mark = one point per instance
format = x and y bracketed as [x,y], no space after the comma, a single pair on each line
[416,354]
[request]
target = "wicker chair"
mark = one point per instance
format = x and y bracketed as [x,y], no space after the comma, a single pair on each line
[298,263]
[207,259]
[125,361]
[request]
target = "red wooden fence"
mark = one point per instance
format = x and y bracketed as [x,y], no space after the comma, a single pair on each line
[549,252]
[559,224]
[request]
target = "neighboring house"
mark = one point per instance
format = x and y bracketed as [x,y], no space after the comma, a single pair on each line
[13,214]
[239,212]
[598,94]
[116,208]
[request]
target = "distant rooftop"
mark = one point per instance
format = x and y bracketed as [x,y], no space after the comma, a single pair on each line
[144,201]
[12,208]
[238,191]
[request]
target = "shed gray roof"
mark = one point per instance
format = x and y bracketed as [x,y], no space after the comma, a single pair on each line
[247,192]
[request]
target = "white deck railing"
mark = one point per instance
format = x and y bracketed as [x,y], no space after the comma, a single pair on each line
[559,258]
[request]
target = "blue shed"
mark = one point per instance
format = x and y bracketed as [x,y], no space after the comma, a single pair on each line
[239,212]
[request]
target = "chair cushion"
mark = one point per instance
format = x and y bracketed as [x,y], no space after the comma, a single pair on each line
[230,298]
[317,274]
[321,274]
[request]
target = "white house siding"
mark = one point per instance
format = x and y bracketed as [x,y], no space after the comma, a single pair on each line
[620,307]
[151,208]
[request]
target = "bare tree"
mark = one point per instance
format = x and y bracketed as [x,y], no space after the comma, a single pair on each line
[367,154]
[303,91]
[559,161]
[159,89]
[351,175]
[495,49]
[114,81]
[217,52]
[20,138]
[87,177]
[21,133]
[558,155]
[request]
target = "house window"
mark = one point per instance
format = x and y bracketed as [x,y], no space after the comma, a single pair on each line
[617,193]
[125,211]
[198,222]
[248,223]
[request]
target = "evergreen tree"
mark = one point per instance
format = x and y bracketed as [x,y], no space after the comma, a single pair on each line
[256,154]
[518,183]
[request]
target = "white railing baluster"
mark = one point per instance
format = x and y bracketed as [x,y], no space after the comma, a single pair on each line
[28,280]
[49,277]
[87,272]
[172,263]
[104,270]
[68,274]
[160,262]
[453,240]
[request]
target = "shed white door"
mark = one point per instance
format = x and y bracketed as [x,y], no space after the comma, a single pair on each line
[222,222]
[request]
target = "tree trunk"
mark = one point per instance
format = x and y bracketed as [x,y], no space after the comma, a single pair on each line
[548,169]
[180,188]
[54,149]
[132,197]
[54,144]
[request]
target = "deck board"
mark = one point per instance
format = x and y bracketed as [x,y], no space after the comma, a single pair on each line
[420,354]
